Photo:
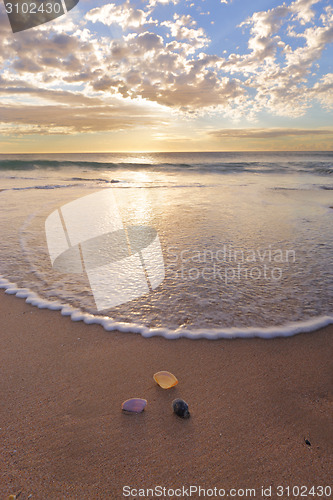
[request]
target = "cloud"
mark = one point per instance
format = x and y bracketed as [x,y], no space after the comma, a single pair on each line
[277,72]
[153,3]
[19,88]
[323,91]
[267,133]
[166,65]
[147,67]
[303,11]
[182,28]
[124,15]
[49,120]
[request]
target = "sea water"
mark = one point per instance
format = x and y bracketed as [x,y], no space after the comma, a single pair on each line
[246,238]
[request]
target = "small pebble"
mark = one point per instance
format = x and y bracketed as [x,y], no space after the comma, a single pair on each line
[307,442]
[180,407]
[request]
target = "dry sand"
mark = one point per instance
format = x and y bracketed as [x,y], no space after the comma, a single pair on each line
[253,403]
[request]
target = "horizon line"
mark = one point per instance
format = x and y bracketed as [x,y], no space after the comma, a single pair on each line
[174,152]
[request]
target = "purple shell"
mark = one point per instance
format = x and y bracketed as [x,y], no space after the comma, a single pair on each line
[135,405]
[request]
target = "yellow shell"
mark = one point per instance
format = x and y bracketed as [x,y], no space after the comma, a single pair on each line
[165,379]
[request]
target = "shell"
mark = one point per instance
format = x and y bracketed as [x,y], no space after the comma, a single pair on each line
[134,405]
[180,407]
[166,380]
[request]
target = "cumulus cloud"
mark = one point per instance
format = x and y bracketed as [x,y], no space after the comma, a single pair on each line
[323,91]
[277,71]
[153,3]
[164,65]
[303,11]
[124,15]
[183,28]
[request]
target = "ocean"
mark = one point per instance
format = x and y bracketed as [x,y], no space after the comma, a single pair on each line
[175,244]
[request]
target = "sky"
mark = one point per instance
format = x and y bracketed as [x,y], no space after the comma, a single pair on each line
[170,75]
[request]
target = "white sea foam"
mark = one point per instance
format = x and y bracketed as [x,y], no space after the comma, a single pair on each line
[110,325]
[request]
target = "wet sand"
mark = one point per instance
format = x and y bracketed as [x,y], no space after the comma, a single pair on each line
[253,403]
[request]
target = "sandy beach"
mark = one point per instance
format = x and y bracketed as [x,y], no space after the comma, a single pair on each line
[253,403]
[166,172]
